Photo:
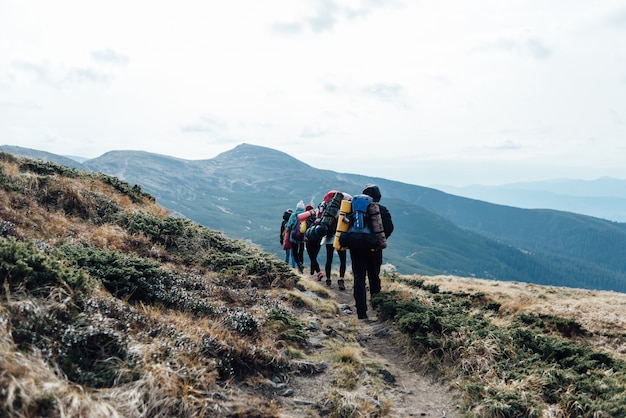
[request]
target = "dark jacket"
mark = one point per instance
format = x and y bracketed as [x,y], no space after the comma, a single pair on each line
[387,222]
[286,216]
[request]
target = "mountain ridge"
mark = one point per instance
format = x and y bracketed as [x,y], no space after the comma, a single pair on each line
[604,197]
[243,192]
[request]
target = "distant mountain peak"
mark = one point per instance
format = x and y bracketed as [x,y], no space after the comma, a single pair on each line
[40,155]
[252,151]
[259,155]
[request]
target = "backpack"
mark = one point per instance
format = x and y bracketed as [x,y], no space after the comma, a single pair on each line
[286,241]
[366,226]
[378,224]
[286,216]
[315,231]
[298,233]
[387,222]
[331,208]
[343,223]
[326,213]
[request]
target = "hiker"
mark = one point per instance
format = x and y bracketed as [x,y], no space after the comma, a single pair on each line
[313,246]
[367,261]
[328,242]
[324,229]
[296,237]
[286,243]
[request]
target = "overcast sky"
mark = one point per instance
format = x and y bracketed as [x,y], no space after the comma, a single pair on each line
[450,92]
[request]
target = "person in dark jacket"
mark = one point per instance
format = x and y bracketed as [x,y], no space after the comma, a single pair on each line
[313,246]
[297,245]
[368,261]
[286,244]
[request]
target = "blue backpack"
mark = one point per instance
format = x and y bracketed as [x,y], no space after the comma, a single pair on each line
[359,234]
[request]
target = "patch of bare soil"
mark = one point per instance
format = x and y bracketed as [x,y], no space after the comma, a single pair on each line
[418,395]
[409,392]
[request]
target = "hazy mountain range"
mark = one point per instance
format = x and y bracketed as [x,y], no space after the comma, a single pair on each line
[603,198]
[243,192]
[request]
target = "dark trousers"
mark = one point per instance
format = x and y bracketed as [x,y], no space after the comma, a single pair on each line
[313,249]
[297,250]
[330,251]
[365,262]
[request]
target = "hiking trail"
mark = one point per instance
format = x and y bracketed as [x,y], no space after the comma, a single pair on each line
[414,393]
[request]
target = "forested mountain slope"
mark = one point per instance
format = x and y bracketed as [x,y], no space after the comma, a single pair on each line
[243,192]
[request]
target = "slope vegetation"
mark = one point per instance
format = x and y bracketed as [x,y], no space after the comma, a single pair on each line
[112,307]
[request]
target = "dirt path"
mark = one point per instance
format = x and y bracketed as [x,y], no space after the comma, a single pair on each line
[418,395]
[413,393]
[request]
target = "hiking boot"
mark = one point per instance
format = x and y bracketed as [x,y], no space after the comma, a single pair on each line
[328,282]
[341,284]
[319,276]
[363,316]
[300,268]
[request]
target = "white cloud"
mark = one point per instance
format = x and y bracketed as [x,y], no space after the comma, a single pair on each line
[313,132]
[532,47]
[59,77]
[205,124]
[109,56]
[438,92]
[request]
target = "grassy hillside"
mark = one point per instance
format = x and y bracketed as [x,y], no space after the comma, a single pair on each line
[110,306]
[515,349]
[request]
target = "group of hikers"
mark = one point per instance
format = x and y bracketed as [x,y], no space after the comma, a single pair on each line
[339,223]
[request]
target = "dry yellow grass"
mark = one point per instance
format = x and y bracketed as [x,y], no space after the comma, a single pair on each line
[26,379]
[602,313]
[349,354]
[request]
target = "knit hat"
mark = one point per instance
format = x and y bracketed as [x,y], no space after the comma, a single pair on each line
[372,191]
[308,207]
[300,205]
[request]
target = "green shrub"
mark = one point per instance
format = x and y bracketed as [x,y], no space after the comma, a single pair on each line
[423,327]
[90,354]
[287,326]
[23,265]
[125,276]
[493,306]
[446,324]
[194,244]
[133,192]
[432,288]
[507,404]
[7,229]
[47,168]
[138,279]
[236,361]
[565,326]
[164,231]
[34,325]
[566,354]
[243,322]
